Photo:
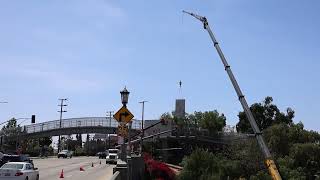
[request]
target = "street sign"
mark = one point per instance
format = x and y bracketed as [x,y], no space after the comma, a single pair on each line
[123,130]
[123,115]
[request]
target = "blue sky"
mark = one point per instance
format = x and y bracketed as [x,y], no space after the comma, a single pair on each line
[88,50]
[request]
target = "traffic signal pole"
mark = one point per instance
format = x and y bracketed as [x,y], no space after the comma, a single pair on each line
[268,158]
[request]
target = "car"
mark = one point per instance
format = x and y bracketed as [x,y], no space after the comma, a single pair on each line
[102,155]
[65,154]
[112,156]
[15,158]
[18,171]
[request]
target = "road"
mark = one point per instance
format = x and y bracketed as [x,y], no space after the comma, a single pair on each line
[50,168]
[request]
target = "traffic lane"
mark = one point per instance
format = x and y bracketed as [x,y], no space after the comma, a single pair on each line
[51,168]
[48,163]
[99,172]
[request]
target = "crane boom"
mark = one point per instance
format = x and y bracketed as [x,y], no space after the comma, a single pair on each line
[268,158]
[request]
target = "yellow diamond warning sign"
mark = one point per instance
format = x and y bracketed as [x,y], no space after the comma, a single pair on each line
[123,115]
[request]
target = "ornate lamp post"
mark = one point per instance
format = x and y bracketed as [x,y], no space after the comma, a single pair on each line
[124,99]
[124,96]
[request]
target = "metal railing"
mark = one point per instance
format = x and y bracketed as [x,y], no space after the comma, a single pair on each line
[75,123]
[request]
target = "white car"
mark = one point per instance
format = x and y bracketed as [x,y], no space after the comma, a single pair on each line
[112,156]
[18,171]
[65,154]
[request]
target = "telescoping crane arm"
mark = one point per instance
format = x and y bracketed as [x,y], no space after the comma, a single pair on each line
[268,158]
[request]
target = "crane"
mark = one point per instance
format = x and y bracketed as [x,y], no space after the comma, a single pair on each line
[272,168]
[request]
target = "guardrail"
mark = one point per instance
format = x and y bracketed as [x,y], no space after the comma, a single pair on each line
[77,122]
[116,176]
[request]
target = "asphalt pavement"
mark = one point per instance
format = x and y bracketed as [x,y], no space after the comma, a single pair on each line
[50,168]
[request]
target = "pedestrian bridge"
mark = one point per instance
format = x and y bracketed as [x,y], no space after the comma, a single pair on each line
[70,126]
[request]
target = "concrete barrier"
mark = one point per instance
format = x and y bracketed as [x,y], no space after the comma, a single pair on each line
[122,167]
[115,176]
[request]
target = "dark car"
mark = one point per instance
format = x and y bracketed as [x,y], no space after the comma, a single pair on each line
[14,158]
[102,155]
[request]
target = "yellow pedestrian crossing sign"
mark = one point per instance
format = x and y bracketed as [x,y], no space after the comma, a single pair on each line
[123,130]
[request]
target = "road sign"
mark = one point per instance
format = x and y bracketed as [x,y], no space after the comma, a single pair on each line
[123,115]
[123,130]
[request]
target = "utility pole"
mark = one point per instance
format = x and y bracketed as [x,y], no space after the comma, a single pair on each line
[110,113]
[142,128]
[88,144]
[61,111]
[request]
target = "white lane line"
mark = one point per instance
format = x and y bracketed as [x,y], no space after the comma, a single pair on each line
[69,176]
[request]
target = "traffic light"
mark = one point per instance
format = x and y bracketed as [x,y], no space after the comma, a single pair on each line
[33,119]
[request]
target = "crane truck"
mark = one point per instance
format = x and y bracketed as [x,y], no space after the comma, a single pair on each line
[269,162]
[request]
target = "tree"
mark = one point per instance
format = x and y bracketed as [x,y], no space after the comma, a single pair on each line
[178,121]
[265,114]
[10,134]
[288,170]
[195,118]
[205,165]
[281,137]
[211,120]
[277,138]
[166,116]
[296,150]
[201,165]
[307,157]
[31,147]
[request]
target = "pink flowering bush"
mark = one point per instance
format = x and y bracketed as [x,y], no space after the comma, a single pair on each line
[157,170]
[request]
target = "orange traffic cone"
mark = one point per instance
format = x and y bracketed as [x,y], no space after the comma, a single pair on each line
[92,165]
[61,174]
[81,168]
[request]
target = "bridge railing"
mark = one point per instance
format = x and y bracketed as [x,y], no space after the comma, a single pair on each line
[77,122]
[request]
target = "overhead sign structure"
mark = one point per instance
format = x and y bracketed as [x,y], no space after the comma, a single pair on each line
[123,130]
[123,115]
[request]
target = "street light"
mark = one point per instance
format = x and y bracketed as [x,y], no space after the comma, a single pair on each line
[124,99]
[124,96]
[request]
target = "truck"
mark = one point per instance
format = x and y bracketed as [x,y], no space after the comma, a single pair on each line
[112,156]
